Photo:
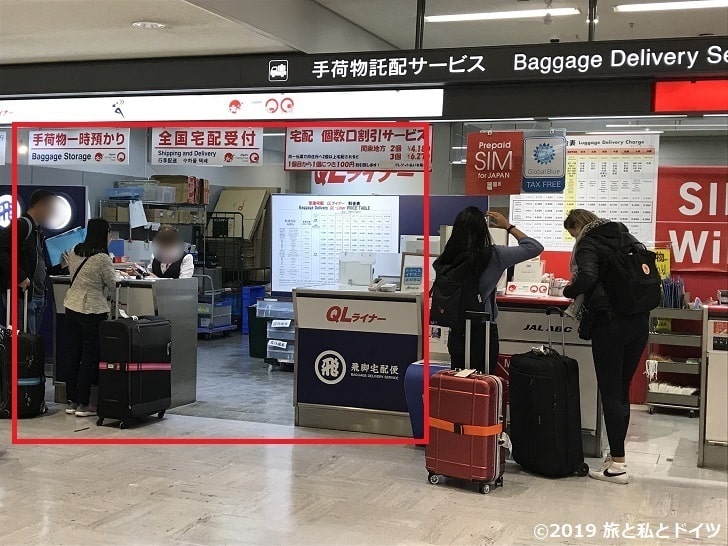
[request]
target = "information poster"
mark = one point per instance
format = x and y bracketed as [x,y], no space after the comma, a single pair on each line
[79,147]
[221,147]
[355,149]
[310,233]
[692,214]
[614,176]
[494,162]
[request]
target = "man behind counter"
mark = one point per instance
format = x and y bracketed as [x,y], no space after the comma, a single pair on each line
[169,259]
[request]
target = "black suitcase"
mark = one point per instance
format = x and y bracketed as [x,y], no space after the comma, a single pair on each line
[135,369]
[546,410]
[31,370]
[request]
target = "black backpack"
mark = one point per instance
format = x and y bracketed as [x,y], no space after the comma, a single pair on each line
[631,279]
[454,292]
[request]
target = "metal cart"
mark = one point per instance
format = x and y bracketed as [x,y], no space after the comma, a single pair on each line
[214,312]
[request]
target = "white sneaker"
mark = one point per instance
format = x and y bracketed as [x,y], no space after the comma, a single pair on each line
[71,408]
[613,472]
[85,411]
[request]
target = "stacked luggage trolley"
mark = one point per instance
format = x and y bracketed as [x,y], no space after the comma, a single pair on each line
[214,310]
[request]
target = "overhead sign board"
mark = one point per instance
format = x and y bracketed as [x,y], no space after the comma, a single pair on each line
[219,146]
[355,148]
[97,146]
[376,104]
[573,60]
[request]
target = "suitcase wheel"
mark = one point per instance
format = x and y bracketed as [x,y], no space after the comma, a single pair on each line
[99,421]
[484,488]
[434,479]
[160,415]
[583,470]
[122,424]
[499,482]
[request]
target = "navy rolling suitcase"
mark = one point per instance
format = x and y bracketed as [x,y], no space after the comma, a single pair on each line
[414,385]
[31,369]
[546,411]
[135,369]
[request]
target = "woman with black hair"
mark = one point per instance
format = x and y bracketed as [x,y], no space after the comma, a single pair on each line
[470,244]
[86,305]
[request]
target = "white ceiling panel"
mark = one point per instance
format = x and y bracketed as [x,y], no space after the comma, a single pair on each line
[394,21]
[67,30]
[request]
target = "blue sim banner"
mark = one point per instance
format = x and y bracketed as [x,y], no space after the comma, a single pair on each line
[354,369]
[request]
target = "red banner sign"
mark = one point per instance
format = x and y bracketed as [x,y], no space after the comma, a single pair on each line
[692,215]
[494,162]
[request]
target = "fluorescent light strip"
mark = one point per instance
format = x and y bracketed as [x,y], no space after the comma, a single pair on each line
[501,15]
[624,132]
[715,115]
[578,118]
[671,6]
[668,125]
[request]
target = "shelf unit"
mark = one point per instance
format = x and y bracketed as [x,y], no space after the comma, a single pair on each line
[280,340]
[674,365]
[199,212]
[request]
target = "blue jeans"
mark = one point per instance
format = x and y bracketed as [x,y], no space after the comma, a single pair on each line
[36,309]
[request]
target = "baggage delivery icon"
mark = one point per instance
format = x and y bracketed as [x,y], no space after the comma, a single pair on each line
[278,71]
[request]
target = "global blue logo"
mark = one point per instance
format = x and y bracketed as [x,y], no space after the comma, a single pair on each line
[544,154]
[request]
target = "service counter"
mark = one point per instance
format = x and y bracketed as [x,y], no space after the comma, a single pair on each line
[173,299]
[353,348]
[522,324]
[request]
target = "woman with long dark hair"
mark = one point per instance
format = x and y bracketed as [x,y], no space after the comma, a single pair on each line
[86,305]
[471,251]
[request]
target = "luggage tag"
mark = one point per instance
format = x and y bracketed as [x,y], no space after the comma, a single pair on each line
[465,373]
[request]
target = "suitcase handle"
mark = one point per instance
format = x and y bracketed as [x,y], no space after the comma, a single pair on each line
[557,310]
[25,310]
[482,318]
[560,312]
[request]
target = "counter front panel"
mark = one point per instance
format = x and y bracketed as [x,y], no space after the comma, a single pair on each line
[352,352]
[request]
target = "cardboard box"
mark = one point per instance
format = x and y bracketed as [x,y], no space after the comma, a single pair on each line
[205,192]
[166,216]
[184,216]
[250,202]
[185,187]
[122,214]
[155,215]
[109,213]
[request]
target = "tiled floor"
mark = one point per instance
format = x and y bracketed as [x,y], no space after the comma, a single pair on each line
[318,495]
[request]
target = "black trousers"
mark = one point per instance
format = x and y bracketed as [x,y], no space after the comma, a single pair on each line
[617,345]
[456,348]
[83,354]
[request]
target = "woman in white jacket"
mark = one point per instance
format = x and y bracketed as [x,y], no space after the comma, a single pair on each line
[87,306]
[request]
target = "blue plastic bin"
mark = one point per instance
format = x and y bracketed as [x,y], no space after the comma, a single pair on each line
[250,295]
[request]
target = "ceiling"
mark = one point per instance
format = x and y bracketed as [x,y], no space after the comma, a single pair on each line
[394,21]
[71,30]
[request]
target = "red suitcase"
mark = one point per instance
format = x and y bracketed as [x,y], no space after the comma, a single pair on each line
[466,423]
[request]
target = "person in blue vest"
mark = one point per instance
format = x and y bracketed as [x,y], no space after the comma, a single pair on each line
[169,259]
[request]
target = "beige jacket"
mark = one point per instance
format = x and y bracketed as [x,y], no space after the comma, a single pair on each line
[86,295]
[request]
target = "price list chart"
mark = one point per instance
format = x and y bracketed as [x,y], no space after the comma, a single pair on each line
[310,233]
[614,176]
